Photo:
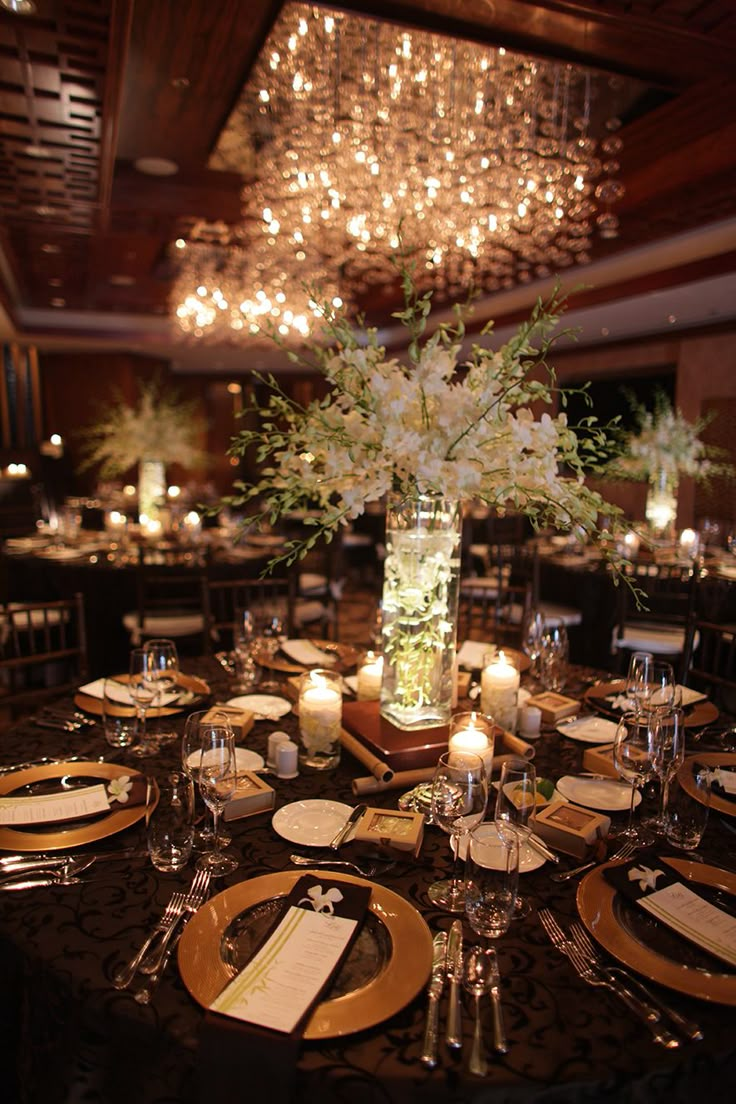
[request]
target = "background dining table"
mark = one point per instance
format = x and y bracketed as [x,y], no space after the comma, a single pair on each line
[67,1035]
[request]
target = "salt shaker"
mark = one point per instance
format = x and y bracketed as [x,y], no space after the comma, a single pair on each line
[274,740]
[287,759]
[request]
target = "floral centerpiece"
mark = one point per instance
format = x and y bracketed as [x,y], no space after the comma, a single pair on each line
[159,429]
[422,435]
[664,448]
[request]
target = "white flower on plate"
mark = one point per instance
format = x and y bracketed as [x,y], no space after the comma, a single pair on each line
[646,876]
[119,789]
[322,902]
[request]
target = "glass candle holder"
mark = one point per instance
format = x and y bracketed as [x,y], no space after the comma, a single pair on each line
[473,732]
[499,689]
[320,719]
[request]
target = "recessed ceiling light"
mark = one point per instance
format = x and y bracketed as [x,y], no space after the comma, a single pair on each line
[156,166]
[48,248]
[19,7]
[121,280]
[55,282]
[58,302]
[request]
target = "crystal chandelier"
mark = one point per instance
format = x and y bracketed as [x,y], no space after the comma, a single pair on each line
[485,160]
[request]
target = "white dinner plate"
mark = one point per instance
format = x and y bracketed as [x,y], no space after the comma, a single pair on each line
[245,760]
[589,730]
[605,794]
[313,823]
[265,707]
[529,859]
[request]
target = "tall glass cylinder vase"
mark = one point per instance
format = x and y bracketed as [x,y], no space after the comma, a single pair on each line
[151,488]
[661,507]
[419,610]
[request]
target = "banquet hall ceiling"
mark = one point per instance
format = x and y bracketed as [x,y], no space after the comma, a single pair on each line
[96,85]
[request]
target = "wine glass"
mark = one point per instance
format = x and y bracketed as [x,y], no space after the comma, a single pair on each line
[164,671]
[191,754]
[270,633]
[531,640]
[553,657]
[669,742]
[217,783]
[634,757]
[143,692]
[515,803]
[458,802]
[636,679]
[661,692]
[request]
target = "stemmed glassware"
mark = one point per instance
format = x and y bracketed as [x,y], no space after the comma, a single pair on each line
[515,803]
[669,742]
[637,678]
[458,803]
[553,657]
[531,640]
[270,633]
[143,692]
[634,757]
[218,779]
[164,672]
[191,755]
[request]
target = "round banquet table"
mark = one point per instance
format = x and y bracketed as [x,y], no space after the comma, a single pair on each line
[68,1036]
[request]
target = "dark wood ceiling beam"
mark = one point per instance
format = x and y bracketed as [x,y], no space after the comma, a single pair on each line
[188,63]
[647,49]
[119,36]
[206,194]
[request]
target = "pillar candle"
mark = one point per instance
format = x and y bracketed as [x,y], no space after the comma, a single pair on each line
[470,732]
[369,678]
[499,688]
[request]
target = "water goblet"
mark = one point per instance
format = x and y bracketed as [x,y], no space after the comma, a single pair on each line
[191,754]
[669,742]
[553,657]
[218,780]
[458,802]
[143,692]
[636,678]
[634,757]
[164,671]
[661,692]
[531,641]
[515,804]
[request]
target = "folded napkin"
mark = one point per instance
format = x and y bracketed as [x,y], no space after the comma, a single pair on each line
[657,888]
[722,782]
[285,979]
[120,693]
[303,651]
[472,653]
[87,801]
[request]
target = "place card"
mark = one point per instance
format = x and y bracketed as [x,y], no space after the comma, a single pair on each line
[672,901]
[293,966]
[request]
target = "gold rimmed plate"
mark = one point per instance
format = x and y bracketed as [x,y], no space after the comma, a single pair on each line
[192,693]
[709,759]
[57,776]
[386,968]
[697,715]
[344,655]
[649,947]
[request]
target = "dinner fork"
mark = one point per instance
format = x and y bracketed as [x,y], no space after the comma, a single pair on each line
[590,974]
[122,978]
[367,871]
[192,901]
[625,851]
[581,940]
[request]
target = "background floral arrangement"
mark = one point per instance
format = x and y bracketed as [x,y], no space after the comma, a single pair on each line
[158,427]
[666,443]
[431,426]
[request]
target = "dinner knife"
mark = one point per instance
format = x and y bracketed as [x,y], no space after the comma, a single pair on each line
[434,989]
[354,816]
[499,1033]
[454,1035]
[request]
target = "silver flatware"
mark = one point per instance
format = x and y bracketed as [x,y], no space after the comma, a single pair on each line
[590,974]
[125,974]
[434,990]
[41,861]
[368,870]
[624,852]
[689,1028]
[454,1032]
[478,979]
[538,845]
[64,874]
[193,900]
[355,816]
[499,1031]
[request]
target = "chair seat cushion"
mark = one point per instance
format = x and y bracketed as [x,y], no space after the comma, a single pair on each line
[656,638]
[163,624]
[568,615]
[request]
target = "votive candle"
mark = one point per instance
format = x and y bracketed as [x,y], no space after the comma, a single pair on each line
[370,675]
[499,689]
[320,718]
[473,732]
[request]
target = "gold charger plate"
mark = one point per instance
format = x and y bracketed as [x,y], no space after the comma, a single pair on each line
[709,759]
[195,689]
[696,715]
[205,973]
[346,657]
[12,839]
[598,906]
